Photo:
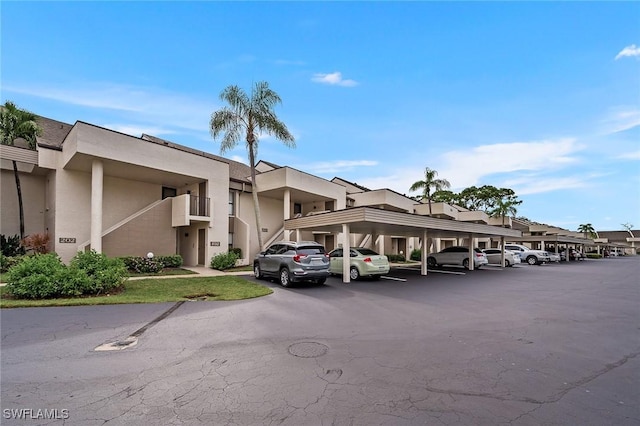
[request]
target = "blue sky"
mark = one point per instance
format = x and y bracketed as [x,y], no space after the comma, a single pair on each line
[540,97]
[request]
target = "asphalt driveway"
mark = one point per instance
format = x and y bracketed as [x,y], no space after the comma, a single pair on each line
[552,345]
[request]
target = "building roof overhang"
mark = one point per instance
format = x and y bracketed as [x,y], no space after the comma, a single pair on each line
[555,238]
[369,220]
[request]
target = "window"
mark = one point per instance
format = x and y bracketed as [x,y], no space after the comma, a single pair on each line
[232,203]
[297,208]
[230,240]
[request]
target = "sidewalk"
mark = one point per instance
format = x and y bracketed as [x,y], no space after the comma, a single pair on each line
[200,271]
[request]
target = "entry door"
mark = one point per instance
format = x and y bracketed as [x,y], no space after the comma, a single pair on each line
[202,246]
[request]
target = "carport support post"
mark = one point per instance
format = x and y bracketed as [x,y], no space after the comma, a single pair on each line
[472,253]
[423,260]
[287,211]
[346,253]
[502,251]
[97,183]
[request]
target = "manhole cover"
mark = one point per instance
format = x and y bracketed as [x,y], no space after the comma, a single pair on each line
[308,349]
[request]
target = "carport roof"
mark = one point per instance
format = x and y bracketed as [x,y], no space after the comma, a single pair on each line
[369,220]
[555,238]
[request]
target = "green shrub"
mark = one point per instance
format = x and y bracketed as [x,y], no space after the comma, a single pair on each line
[105,274]
[416,254]
[396,257]
[7,262]
[44,276]
[11,246]
[237,251]
[142,265]
[224,261]
[36,277]
[594,256]
[171,261]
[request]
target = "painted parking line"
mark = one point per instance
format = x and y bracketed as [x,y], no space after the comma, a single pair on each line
[385,277]
[439,271]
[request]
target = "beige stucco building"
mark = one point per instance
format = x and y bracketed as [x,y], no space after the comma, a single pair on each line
[89,187]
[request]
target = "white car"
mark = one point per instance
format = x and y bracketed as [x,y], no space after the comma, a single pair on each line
[458,256]
[532,257]
[494,256]
[554,257]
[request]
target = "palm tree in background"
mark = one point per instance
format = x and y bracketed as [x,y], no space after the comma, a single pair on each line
[247,117]
[504,208]
[430,185]
[587,229]
[16,124]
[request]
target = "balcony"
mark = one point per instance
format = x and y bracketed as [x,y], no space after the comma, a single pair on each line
[187,209]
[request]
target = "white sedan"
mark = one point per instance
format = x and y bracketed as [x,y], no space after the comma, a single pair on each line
[494,256]
[457,255]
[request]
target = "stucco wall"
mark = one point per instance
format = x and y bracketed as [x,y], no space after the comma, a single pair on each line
[149,232]
[33,199]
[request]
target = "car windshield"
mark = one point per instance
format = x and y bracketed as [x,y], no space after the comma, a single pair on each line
[310,250]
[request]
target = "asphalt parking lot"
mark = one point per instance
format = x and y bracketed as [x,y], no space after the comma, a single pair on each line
[531,345]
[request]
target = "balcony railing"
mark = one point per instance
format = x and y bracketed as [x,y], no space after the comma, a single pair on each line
[199,206]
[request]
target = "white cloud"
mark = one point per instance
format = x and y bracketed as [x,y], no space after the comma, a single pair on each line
[630,156]
[141,104]
[536,184]
[334,79]
[138,130]
[631,50]
[621,119]
[239,159]
[338,166]
[465,168]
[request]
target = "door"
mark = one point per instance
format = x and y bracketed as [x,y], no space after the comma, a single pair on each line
[202,246]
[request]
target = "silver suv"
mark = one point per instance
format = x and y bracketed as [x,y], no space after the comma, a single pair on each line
[291,261]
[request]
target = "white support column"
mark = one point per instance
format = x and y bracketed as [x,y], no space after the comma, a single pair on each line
[287,211]
[425,250]
[502,252]
[438,245]
[472,254]
[346,250]
[97,185]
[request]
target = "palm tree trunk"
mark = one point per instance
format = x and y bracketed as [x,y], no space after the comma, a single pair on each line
[20,207]
[430,212]
[254,195]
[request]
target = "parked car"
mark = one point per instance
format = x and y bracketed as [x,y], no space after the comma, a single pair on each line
[573,255]
[494,256]
[364,263]
[532,257]
[554,257]
[290,262]
[457,255]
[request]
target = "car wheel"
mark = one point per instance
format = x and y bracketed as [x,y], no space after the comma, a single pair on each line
[353,273]
[507,263]
[532,260]
[257,271]
[285,278]
[465,263]
[431,262]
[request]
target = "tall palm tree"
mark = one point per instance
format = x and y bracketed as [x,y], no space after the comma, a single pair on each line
[587,229]
[15,124]
[430,185]
[504,208]
[248,116]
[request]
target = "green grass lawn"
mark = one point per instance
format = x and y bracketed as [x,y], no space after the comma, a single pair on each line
[157,291]
[165,272]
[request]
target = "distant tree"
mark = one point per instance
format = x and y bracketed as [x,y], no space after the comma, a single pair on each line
[587,229]
[247,117]
[428,184]
[15,124]
[445,196]
[628,227]
[485,198]
[504,207]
